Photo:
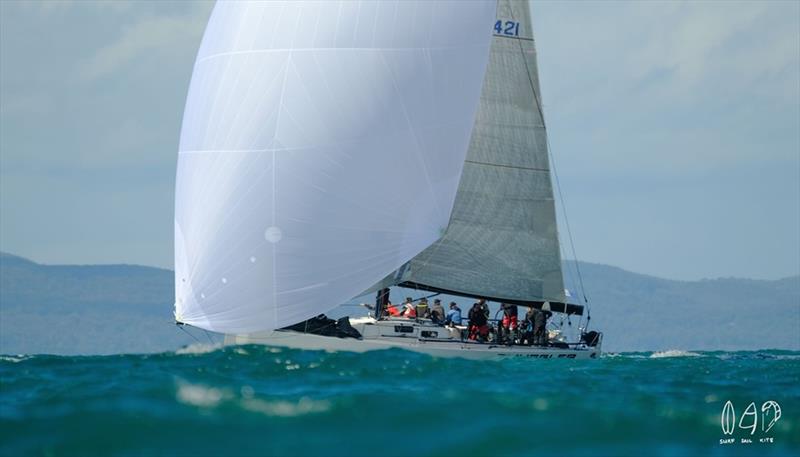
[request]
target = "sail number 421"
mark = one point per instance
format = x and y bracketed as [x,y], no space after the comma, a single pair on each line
[509,28]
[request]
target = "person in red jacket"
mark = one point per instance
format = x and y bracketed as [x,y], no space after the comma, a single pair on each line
[392,310]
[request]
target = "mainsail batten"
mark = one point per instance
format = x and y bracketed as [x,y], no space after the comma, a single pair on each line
[321,148]
[501,240]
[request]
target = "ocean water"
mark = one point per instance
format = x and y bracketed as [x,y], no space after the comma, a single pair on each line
[256,400]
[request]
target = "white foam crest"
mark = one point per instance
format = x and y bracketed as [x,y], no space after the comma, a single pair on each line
[674,353]
[282,408]
[200,395]
[199,348]
[15,358]
[623,355]
[788,357]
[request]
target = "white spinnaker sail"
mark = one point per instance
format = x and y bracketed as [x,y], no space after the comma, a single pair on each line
[321,148]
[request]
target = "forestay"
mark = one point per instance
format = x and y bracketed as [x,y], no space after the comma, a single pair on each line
[502,240]
[321,148]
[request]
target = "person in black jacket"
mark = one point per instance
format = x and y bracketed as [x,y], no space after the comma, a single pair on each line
[538,319]
[484,307]
[478,328]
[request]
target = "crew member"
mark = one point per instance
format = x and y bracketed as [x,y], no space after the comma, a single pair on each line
[392,310]
[509,323]
[437,312]
[539,320]
[454,315]
[423,311]
[478,328]
[484,307]
[409,311]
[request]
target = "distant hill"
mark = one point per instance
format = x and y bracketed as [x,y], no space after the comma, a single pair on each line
[639,312]
[102,309]
[93,309]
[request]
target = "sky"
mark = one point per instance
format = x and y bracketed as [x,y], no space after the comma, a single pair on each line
[675,128]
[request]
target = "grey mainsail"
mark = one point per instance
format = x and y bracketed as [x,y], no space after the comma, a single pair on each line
[502,240]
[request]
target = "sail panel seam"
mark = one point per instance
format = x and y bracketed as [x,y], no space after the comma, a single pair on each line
[507,166]
[271,51]
[513,37]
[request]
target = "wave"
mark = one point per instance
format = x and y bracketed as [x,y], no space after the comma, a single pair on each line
[14,358]
[282,408]
[674,353]
[623,355]
[199,348]
[203,396]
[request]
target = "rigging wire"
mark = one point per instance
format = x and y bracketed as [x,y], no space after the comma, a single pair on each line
[555,172]
[569,234]
[208,336]
[180,326]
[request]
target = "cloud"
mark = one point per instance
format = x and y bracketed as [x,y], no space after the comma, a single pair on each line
[695,46]
[148,35]
[719,47]
[674,86]
[51,7]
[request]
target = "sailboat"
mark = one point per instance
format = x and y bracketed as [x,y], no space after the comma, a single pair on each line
[333,149]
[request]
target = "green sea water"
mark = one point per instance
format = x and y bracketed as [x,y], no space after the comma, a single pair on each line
[255,400]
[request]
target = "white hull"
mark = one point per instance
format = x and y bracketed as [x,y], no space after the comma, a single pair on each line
[378,336]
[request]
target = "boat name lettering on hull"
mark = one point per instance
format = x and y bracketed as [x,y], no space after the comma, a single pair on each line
[541,356]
